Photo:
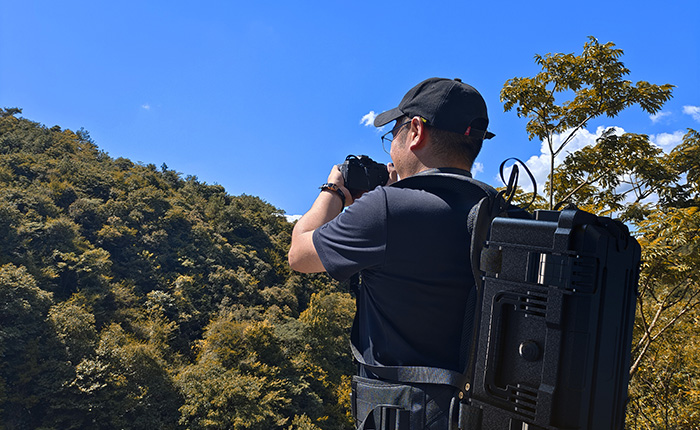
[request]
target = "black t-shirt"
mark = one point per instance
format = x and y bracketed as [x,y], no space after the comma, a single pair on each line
[412,248]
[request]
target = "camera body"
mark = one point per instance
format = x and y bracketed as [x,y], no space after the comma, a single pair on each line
[362,174]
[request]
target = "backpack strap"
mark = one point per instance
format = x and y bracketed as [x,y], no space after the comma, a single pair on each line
[486,204]
[391,417]
[478,225]
[407,374]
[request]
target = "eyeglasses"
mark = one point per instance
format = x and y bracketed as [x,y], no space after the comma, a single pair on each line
[389,136]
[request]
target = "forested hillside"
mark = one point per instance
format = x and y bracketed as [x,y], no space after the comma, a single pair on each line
[134,298]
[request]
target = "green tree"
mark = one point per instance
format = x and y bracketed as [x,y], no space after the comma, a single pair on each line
[302,423]
[595,79]
[75,328]
[237,382]
[657,194]
[665,393]
[328,321]
[26,357]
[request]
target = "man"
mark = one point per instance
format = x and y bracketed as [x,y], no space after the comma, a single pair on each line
[411,246]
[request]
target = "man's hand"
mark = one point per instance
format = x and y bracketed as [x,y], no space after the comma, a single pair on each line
[336,177]
[393,176]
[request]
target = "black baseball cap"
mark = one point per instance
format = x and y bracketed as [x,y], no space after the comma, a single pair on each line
[447,104]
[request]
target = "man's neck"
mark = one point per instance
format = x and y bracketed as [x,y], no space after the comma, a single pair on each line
[450,166]
[452,170]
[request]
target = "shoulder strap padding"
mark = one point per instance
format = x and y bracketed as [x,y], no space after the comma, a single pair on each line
[487,204]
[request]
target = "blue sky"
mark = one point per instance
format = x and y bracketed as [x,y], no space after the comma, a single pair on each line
[264,97]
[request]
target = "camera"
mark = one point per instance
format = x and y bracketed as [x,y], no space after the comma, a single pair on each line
[362,174]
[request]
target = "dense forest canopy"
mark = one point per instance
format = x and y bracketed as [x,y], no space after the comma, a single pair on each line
[131,297]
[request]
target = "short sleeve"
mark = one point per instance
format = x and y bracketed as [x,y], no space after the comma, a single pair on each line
[355,239]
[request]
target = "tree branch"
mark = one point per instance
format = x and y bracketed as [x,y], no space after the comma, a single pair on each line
[648,338]
[587,182]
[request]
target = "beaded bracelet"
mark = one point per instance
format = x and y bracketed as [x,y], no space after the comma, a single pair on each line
[333,187]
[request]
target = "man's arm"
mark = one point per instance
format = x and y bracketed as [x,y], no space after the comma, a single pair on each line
[328,205]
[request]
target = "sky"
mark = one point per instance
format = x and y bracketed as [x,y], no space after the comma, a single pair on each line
[264,97]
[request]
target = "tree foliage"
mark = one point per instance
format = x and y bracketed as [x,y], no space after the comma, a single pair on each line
[594,79]
[656,193]
[132,297]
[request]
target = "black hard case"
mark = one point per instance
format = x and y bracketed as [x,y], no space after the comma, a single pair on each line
[556,324]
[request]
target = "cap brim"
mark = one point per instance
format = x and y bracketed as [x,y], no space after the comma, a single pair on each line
[386,117]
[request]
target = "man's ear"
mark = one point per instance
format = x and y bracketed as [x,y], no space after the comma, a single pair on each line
[417,133]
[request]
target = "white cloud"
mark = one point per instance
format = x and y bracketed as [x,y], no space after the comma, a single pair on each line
[667,141]
[292,218]
[539,165]
[693,111]
[146,107]
[477,168]
[368,120]
[657,117]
